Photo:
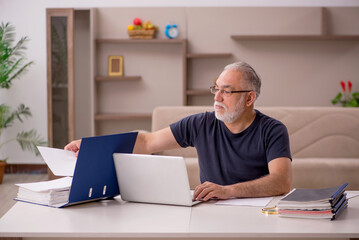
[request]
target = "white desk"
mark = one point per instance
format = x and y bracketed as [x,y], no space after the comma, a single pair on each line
[119,219]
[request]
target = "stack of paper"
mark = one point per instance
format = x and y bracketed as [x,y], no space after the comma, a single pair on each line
[314,203]
[50,193]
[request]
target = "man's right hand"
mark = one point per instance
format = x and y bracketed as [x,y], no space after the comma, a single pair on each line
[73,146]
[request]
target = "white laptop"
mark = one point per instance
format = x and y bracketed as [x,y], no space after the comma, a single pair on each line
[153,179]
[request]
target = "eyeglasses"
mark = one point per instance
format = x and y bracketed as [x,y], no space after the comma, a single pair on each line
[226,93]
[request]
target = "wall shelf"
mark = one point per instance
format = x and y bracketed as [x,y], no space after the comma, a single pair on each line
[121,116]
[127,40]
[208,55]
[295,37]
[324,34]
[115,78]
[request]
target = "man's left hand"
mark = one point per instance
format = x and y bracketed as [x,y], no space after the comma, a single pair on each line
[208,190]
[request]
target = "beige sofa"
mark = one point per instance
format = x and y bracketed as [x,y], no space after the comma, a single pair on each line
[324,143]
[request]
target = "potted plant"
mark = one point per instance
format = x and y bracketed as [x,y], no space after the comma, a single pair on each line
[347,99]
[27,140]
[11,66]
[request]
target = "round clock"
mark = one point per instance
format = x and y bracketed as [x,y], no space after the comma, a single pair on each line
[171,31]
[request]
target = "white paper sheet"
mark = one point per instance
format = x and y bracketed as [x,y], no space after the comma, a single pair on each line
[255,202]
[61,162]
[57,184]
[352,195]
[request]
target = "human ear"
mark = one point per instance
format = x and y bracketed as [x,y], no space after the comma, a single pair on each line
[251,97]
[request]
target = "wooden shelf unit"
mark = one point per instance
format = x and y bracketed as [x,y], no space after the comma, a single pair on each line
[127,40]
[119,116]
[208,55]
[106,35]
[102,117]
[115,78]
[295,37]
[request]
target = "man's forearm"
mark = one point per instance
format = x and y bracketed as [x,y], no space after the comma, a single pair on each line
[144,144]
[147,143]
[269,185]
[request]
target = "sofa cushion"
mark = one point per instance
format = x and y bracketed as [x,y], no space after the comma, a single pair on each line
[325,172]
[327,132]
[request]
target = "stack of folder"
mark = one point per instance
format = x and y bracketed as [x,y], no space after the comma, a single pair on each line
[324,203]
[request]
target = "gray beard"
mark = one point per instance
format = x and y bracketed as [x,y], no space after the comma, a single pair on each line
[229,117]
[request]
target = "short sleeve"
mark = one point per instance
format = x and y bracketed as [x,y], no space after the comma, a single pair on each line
[277,142]
[185,131]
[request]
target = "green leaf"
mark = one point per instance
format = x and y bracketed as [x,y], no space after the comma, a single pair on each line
[20,71]
[12,57]
[334,101]
[356,95]
[22,111]
[337,98]
[352,103]
[6,117]
[29,140]
[17,50]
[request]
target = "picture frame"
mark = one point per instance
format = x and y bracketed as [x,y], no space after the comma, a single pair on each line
[115,66]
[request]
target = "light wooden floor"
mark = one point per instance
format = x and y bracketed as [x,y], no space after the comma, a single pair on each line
[8,190]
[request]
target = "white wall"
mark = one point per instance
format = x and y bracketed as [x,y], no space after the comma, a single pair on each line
[29,18]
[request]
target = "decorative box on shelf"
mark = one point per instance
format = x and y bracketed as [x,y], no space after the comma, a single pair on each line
[142,34]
